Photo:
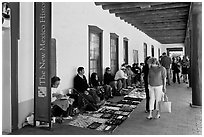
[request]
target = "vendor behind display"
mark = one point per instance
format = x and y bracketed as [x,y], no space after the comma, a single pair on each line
[121,78]
[88,99]
[102,91]
[61,104]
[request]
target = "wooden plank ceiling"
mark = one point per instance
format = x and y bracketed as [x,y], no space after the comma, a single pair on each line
[165,22]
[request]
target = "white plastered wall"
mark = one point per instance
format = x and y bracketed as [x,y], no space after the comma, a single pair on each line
[6,81]
[70,28]
[26,60]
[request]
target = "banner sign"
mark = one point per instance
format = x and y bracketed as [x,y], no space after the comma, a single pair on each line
[42,38]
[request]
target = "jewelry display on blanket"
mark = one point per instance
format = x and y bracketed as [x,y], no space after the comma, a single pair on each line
[112,114]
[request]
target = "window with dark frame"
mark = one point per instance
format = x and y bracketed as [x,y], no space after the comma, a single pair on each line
[159,53]
[125,50]
[152,51]
[135,56]
[95,51]
[113,52]
[145,51]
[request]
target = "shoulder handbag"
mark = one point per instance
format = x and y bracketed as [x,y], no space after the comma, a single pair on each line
[165,105]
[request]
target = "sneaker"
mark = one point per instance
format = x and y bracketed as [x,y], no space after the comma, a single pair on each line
[69,117]
[157,116]
[146,111]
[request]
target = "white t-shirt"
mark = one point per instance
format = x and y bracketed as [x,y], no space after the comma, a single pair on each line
[55,90]
[120,75]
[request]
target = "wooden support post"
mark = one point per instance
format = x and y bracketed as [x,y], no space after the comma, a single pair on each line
[196,52]
[189,53]
[14,62]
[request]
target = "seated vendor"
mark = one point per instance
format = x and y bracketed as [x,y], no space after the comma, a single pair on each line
[130,75]
[109,80]
[61,104]
[81,85]
[121,78]
[104,91]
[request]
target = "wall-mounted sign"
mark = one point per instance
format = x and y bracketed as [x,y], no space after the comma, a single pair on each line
[42,40]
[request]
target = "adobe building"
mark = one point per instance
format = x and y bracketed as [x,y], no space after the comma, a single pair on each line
[76,34]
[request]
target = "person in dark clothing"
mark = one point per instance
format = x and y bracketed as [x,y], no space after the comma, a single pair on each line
[145,71]
[104,92]
[185,67]
[109,80]
[80,82]
[94,80]
[108,77]
[134,73]
[81,85]
[166,62]
[176,70]
[137,72]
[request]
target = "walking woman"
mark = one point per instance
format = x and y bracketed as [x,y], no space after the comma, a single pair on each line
[157,85]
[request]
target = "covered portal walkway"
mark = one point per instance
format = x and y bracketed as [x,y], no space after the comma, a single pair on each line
[184,120]
[73,35]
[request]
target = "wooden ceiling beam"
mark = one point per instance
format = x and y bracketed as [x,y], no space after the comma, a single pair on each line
[161,23]
[171,10]
[106,3]
[158,24]
[151,16]
[171,41]
[168,37]
[155,36]
[153,13]
[124,5]
[157,19]
[152,8]
[146,22]
[163,32]
[161,28]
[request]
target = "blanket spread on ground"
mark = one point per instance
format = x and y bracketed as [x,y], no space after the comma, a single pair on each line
[111,114]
